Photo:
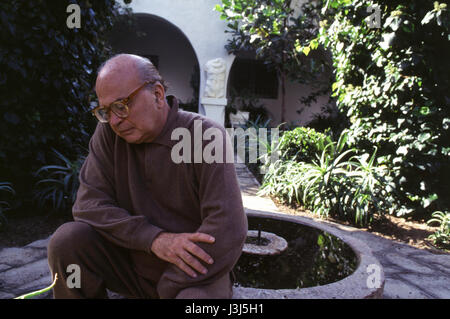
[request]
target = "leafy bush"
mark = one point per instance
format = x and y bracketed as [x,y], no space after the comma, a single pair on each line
[348,189]
[5,187]
[273,31]
[60,184]
[302,144]
[283,181]
[392,82]
[352,189]
[442,236]
[329,121]
[48,72]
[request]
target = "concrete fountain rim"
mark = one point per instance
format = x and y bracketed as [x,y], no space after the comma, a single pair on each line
[354,286]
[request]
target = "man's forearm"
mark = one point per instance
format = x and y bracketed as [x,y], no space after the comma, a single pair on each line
[118,226]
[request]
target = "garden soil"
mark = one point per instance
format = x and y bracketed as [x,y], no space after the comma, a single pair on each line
[408,231]
[21,231]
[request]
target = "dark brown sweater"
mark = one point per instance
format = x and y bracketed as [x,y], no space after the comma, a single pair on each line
[132,192]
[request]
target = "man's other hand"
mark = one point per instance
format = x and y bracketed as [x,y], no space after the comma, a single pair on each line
[180,250]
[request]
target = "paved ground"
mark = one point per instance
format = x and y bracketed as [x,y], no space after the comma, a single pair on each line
[409,272]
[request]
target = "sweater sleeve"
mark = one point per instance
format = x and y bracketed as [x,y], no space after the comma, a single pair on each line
[223,217]
[96,202]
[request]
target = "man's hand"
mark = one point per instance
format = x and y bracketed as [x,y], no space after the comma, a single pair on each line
[180,250]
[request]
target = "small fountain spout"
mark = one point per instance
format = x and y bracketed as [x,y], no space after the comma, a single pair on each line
[263,243]
[259,235]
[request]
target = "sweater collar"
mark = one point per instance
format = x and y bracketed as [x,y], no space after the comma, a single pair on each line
[164,137]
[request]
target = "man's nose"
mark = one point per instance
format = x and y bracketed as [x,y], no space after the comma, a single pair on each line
[114,120]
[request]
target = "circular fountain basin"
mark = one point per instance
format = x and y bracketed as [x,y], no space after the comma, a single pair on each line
[321,262]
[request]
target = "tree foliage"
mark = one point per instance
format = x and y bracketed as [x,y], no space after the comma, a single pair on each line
[275,32]
[46,81]
[393,84]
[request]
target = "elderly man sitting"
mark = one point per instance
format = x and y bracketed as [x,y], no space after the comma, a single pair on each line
[145,226]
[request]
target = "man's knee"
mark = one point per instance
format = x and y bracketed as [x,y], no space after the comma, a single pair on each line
[70,237]
[219,289]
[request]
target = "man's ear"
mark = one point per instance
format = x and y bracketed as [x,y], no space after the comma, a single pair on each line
[159,94]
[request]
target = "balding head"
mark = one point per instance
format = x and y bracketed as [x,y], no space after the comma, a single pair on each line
[123,66]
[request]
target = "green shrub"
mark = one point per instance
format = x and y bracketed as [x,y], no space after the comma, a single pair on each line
[60,184]
[329,121]
[330,185]
[442,236]
[283,181]
[302,144]
[350,190]
[392,82]
[46,80]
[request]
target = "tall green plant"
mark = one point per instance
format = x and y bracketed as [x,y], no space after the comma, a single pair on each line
[337,183]
[60,183]
[442,236]
[283,180]
[5,187]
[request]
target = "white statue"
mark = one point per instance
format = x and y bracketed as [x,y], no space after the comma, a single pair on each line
[215,78]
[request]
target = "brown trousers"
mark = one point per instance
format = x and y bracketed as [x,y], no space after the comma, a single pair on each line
[104,265]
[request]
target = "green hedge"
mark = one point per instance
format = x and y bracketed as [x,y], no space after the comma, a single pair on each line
[302,144]
[393,84]
[46,82]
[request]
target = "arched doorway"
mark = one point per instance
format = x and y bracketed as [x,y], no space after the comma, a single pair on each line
[251,87]
[169,50]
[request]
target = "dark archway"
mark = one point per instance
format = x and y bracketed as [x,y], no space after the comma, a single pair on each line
[169,49]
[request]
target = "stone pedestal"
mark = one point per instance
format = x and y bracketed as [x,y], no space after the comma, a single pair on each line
[215,108]
[275,244]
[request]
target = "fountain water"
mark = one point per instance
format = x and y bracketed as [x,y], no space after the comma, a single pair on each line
[294,257]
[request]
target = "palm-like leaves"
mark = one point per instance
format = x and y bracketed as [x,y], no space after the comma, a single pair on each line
[442,235]
[5,187]
[60,184]
[335,183]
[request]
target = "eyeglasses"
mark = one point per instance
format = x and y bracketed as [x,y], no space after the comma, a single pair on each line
[119,108]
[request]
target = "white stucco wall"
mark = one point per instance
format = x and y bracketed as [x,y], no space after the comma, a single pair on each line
[198,21]
[175,54]
[294,92]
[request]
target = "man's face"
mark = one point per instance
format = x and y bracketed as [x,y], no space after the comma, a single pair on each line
[146,116]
